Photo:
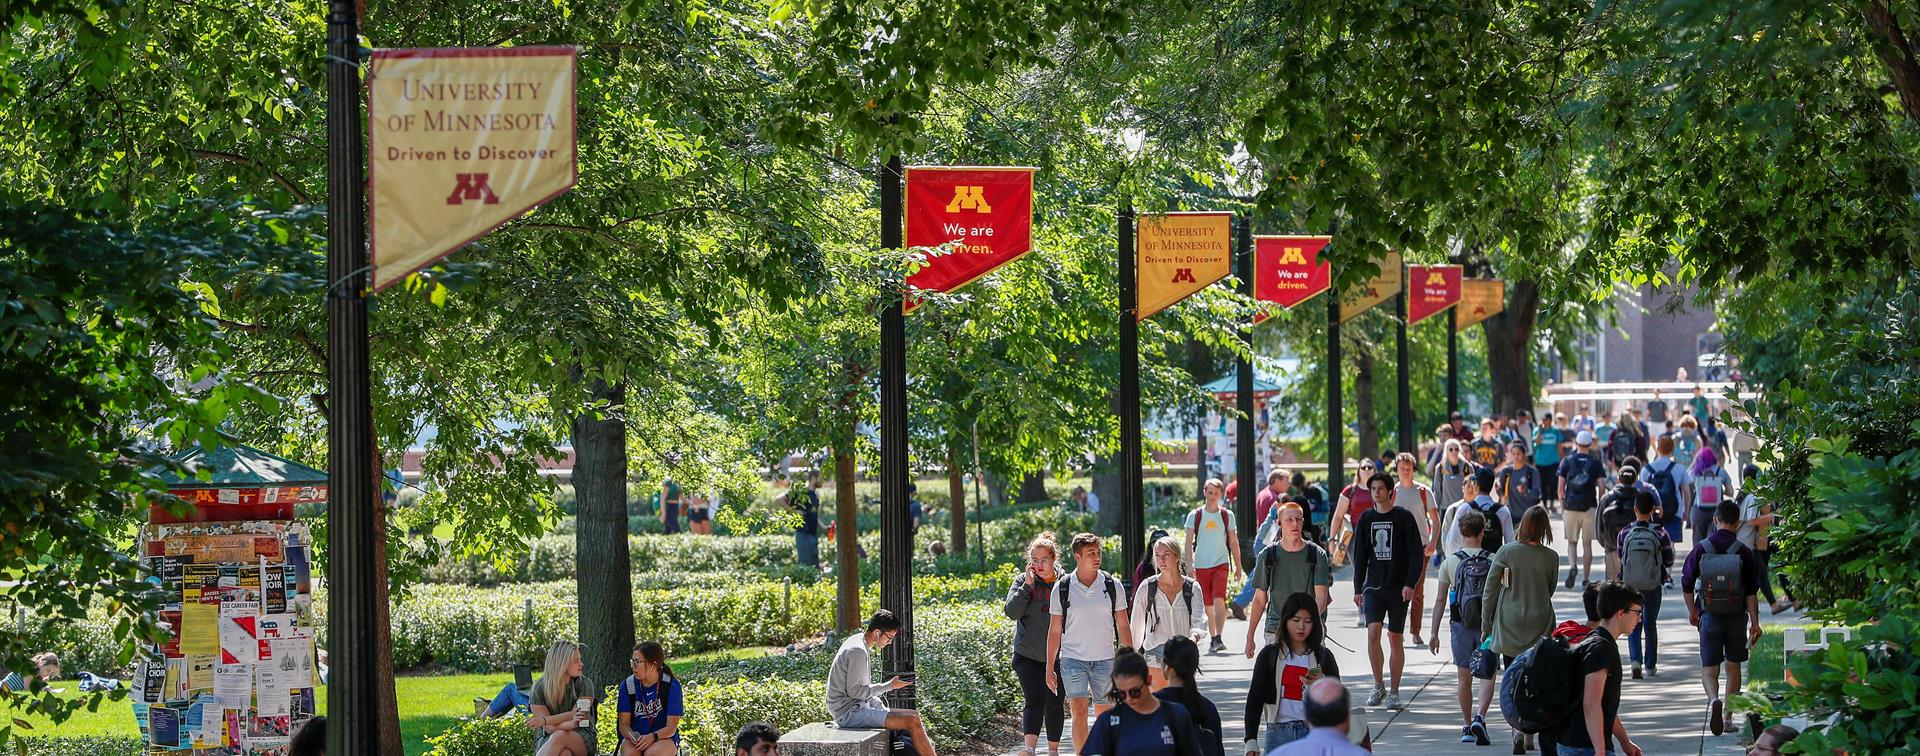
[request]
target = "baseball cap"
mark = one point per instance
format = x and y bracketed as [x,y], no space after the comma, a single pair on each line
[1583,438]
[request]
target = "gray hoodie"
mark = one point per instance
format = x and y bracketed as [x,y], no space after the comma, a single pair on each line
[850,683]
[1029,608]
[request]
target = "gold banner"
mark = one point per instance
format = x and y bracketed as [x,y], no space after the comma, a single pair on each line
[1380,289]
[1480,298]
[459,142]
[1178,254]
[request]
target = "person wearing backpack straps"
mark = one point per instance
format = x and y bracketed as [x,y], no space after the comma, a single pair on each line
[1726,575]
[1029,605]
[1580,477]
[1282,673]
[1499,526]
[1711,485]
[1616,513]
[1291,565]
[1465,573]
[1166,607]
[1646,556]
[1670,480]
[1081,640]
[1213,546]
[1410,495]
[1517,609]
[1594,726]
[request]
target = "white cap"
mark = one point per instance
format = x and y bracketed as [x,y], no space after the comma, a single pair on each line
[1583,438]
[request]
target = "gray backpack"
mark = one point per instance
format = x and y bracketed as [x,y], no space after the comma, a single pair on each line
[1640,559]
[1720,583]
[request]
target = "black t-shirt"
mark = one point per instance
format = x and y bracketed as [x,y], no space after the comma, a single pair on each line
[1487,452]
[1388,553]
[1206,720]
[1582,495]
[808,503]
[1599,652]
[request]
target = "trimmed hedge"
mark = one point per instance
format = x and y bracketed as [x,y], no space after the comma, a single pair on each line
[90,746]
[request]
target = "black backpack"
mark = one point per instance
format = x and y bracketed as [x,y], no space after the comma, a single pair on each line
[1066,601]
[1469,588]
[1617,514]
[1668,491]
[1541,689]
[1491,537]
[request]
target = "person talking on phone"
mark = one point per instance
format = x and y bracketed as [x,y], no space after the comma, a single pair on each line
[854,699]
[1030,606]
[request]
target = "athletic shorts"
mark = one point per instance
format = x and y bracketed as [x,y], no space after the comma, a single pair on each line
[1085,679]
[1580,526]
[1213,583]
[1723,638]
[697,515]
[866,717]
[1464,643]
[1381,605]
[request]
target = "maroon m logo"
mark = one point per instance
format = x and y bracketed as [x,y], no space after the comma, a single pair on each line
[472,186]
[1183,274]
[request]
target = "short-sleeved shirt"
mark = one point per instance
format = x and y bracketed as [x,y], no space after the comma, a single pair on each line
[1450,566]
[1210,536]
[650,705]
[1283,573]
[1417,499]
[1599,653]
[1656,411]
[808,502]
[581,688]
[1749,533]
[1089,634]
[1582,496]
[1121,731]
[1487,452]
[1546,445]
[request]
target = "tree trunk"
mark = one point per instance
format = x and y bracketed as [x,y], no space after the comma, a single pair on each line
[383,624]
[996,489]
[1510,349]
[846,542]
[1113,501]
[1896,54]
[1369,435]
[1034,488]
[604,576]
[1200,365]
[956,502]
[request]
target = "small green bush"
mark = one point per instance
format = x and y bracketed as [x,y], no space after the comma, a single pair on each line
[59,746]
[717,710]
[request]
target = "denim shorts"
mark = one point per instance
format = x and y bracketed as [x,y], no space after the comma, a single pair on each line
[867,717]
[1282,733]
[1085,679]
[1464,643]
[1723,637]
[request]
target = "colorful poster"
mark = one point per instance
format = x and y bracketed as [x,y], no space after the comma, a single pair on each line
[460,141]
[267,746]
[199,624]
[273,588]
[1178,254]
[1380,288]
[163,727]
[982,218]
[1431,290]
[1288,270]
[1480,298]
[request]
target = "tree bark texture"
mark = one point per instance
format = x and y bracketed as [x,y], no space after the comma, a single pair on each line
[1890,43]
[605,576]
[1113,501]
[956,502]
[846,542]
[1034,488]
[1510,348]
[1369,430]
[383,623]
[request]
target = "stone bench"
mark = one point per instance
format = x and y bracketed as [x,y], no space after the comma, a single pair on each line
[824,739]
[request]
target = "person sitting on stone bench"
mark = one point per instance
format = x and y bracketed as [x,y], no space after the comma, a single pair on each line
[852,697]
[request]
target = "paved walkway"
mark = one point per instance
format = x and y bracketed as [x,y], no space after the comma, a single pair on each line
[1664,715]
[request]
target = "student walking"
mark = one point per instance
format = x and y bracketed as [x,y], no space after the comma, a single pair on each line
[1672,483]
[562,705]
[1183,688]
[853,699]
[1517,482]
[1449,473]
[1355,500]
[1214,546]
[1711,485]
[1646,556]
[1657,415]
[1264,512]
[1615,513]
[1292,565]
[1499,520]
[1089,621]
[806,536]
[1596,727]
[1460,596]
[1487,450]
[1410,495]
[1387,565]
[1546,453]
[1756,519]
[670,505]
[650,705]
[1517,607]
[1726,574]
[1283,671]
[1166,607]
[1142,724]
[1580,476]
[1029,605]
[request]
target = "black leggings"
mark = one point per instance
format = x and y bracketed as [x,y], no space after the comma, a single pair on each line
[1039,700]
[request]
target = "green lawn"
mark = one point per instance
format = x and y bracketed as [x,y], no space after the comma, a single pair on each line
[429,704]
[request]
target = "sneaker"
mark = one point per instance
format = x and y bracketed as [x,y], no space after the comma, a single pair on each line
[1569,582]
[1636,671]
[1466,734]
[1715,722]
[1239,612]
[1651,672]
[1519,744]
[1379,694]
[1218,644]
[1393,701]
[1479,731]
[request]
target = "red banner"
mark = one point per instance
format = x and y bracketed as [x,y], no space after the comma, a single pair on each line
[1287,270]
[1431,290]
[985,214]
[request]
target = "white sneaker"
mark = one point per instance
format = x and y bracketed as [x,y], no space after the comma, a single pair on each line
[1379,694]
[1393,701]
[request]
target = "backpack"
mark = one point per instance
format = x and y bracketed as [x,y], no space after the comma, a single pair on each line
[1066,601]
[1710,487]
[1313,563]
[1640,558]
[1622,445]
[1582,473]
[1186,595]
[1493,537]
[1618,513]
[1721,586]
[1539,690]
[1469,587]
[1669,491]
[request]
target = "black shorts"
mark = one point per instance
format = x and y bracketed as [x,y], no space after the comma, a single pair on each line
[1385,605]
[697,514]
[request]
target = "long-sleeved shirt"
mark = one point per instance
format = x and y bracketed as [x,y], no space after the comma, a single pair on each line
[1724,540]
[1387,551]
[1320,741]
[1029,606]
[1278,694]
[850,681]
[1450,523]
[1156,618]
[1518,603]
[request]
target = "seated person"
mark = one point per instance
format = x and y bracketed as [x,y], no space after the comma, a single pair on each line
[562,705]
[650,705]
[852,697]
[46,667]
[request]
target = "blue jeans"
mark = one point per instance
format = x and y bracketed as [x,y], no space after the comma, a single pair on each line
[509,699]
[807,547]
[1647,628]
[1282,733]
[1580,752]
[1246,594]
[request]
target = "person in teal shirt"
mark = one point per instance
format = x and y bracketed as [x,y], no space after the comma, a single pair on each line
[1546,453]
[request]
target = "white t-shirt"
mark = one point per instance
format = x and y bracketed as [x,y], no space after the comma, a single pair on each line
[1170,616]
[1093,502]
[1749,533]
[1290,675]
[1411,499]
[1450,525]
[1088,635]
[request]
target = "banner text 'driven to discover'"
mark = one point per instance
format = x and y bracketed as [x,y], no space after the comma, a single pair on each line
[985,214]
[1379,289]
[1480,298]
[1431,290]
[1179,254]
[460,141]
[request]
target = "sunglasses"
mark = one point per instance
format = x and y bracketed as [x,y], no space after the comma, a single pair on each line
[1133,693]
